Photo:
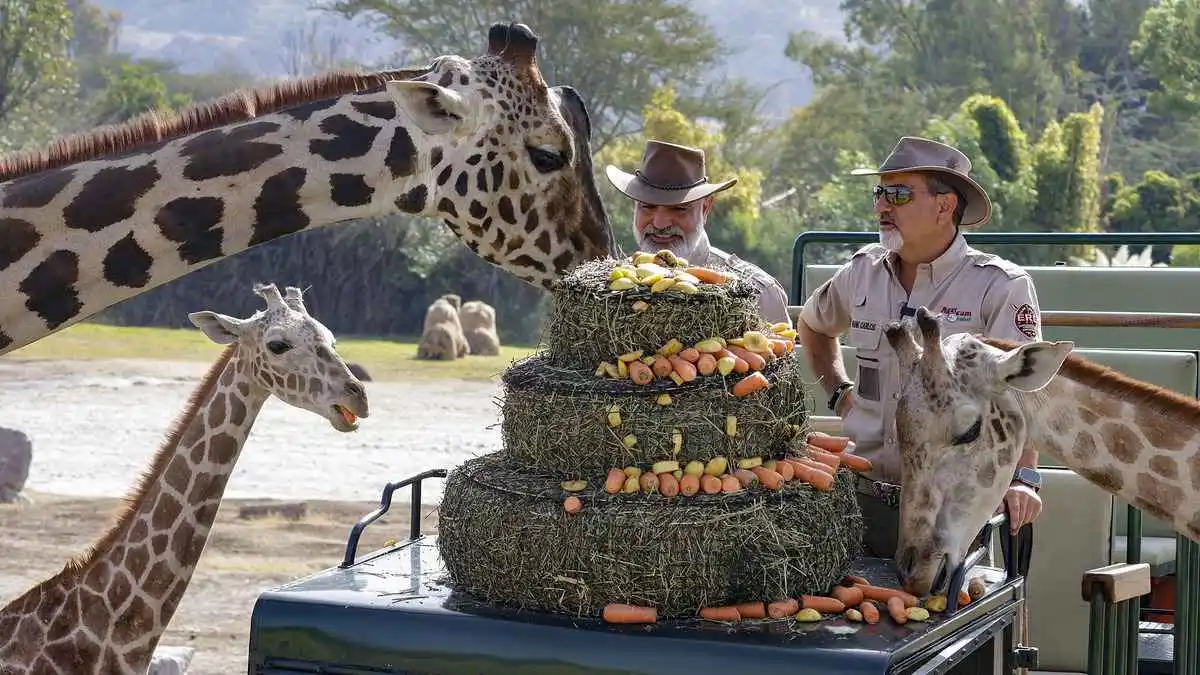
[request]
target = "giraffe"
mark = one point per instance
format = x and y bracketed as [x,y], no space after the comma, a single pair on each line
[970,403]
[482,144]
[105,611]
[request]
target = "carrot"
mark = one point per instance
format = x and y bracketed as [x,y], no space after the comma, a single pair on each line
[649,482]
[572,504]
[779,347]
[896,608]
[752,610]
[640,373]
[706,364]
[815,477]
[751,383]
[689,485]
[662,366]
[729,483]
[882,594]
[739,364]
[769,479]
[822,604]
[686,370]
[705,275]
[690,354]
[745,477]
[615,481]
[756,361]
[785,469]
[782,608]
[668,485]
[855,463]
[869,611]
[710,484]
[726,613]
[849,595]
[824,456]
[964,598]
[616,612]
[828,442]
[814,464]
[854,580]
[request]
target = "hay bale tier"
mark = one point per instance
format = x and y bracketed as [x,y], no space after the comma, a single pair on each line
[589,322]
[506,538]
[577,424]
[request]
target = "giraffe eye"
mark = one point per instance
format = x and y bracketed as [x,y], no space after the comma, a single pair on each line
[545,160]
[970,435]
[278,346]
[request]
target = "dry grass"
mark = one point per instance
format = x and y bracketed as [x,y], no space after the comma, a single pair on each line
[383,359]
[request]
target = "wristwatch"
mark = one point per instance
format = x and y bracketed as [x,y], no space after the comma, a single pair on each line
[1028,476]
[837,395]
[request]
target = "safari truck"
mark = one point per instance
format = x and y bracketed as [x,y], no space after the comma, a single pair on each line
[1106,589]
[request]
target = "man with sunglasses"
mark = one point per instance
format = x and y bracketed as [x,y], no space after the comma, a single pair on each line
[672,198]
[923,198]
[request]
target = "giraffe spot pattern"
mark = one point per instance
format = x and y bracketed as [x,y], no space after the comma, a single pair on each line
[1123,442]
[413,201]
[127,263]
[109,197]
[195,224]
[37,190]
[231,152]
[277,207]
[166,511]
[384,110]
[1160,433]
[222,449]
[350,189]
[1085,446]
[183,543]
[305,111]
[50,288]
[350,139]
[17,237]
[1164,466]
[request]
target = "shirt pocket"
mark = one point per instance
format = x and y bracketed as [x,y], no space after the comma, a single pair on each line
[867,322]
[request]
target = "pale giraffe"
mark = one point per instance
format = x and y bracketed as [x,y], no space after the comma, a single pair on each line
[969,404]
[483,144]
[105,611]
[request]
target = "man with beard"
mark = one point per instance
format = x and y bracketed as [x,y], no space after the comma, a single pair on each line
[923,197]
[672,199]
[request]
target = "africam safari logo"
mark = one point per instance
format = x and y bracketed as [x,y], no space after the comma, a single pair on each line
[1026,320]
[955,314]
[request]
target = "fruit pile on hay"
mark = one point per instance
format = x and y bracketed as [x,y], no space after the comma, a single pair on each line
[658,453]
[506,537]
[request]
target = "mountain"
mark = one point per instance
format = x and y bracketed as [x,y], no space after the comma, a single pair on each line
[250,35]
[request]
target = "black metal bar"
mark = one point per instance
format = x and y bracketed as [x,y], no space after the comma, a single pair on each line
[385,503]
[959,575]
[804,239]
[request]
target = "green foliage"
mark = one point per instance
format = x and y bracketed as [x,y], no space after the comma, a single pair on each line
[1167,45]
[1001,139]
[35,69]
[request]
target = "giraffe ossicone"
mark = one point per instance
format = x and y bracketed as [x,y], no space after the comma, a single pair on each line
[483,144]
[105,611]
[969,404]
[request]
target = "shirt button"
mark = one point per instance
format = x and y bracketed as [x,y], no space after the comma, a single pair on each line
[891,441]
[895,396]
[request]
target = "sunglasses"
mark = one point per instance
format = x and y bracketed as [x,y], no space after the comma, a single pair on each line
[896,195]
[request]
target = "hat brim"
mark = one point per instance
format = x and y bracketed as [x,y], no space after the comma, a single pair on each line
[633,187]
[979,205]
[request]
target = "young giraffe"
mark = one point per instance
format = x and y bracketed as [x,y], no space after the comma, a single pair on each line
[483,144]
[106,610]
[970,404]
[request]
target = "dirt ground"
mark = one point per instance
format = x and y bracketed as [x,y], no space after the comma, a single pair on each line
[243,557]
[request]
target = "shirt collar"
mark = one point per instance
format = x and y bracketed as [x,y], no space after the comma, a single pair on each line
[942,267]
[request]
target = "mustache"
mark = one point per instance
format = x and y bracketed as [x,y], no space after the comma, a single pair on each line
[664,232]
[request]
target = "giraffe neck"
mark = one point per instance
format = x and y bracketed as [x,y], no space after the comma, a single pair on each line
[1134,440]
[85,236]
[121,596]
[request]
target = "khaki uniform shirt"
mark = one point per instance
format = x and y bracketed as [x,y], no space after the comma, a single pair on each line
[772,299]
[974,292]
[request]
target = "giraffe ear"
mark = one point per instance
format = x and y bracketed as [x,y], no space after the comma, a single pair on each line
[433,108]
[219,328]
[1032,365]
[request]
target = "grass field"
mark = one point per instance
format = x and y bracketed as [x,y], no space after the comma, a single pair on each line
[383,359]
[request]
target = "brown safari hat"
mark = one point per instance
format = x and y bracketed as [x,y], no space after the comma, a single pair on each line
[670,174]
[915,154]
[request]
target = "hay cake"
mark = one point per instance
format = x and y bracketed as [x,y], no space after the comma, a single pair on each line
[506,538]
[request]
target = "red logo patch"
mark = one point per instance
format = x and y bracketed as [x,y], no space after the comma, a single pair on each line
[1026,320]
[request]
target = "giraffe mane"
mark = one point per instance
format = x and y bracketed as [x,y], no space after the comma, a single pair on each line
[153,127]
[164,454]
[1116,384]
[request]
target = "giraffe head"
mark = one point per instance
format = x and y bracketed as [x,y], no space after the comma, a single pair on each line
[290,355]
[961,432]
[510,159]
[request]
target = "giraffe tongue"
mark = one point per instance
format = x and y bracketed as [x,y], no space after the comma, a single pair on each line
[347,415]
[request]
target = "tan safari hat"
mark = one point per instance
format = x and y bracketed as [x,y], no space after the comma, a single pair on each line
[670,174]
[913,154]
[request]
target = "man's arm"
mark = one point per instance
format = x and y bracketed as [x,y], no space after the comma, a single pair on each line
[825,316]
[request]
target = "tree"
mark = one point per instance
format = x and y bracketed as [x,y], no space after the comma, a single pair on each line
[1168,46]
[614,52]
[35,68]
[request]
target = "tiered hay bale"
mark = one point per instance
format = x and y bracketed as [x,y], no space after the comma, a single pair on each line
[505,538]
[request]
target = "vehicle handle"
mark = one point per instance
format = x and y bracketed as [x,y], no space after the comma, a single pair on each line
[959,576]
[385,503]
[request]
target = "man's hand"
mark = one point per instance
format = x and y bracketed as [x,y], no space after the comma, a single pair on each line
[1024,506]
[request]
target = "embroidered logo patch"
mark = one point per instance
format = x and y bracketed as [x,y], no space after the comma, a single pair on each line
[1026,320]
[953,314]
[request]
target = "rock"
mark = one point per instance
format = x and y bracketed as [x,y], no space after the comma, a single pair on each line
[16,454]
[170,660]
[289,510]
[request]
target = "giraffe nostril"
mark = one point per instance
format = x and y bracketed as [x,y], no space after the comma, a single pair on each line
[356,389]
